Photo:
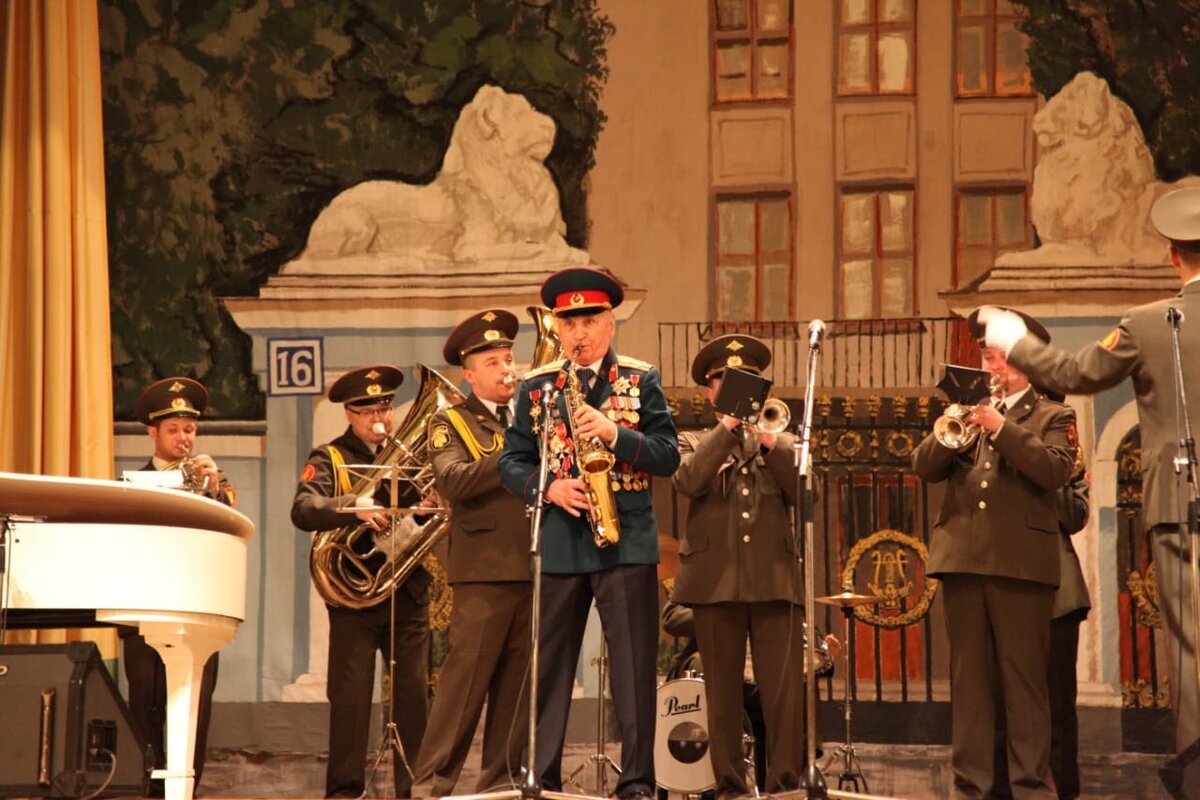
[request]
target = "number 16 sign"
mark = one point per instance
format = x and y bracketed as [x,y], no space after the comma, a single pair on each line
[295,366]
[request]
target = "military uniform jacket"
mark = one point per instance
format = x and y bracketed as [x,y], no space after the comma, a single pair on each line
[1000,515]
[628,391]
[1141,348]
[1072,502]
[314,508]
[489,532]
[738,543]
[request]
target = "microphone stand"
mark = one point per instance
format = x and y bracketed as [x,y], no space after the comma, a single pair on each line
[1186,459]
[812,781]
[531,786]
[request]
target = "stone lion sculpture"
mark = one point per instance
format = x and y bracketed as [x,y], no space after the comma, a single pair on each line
[1094,182]
[493,206]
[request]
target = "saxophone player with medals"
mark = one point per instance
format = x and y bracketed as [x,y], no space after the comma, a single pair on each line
[487,564]
[170,409]
[356,634]
[619,407]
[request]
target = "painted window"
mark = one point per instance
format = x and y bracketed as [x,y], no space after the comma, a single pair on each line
[988,223]
[754,257]
[876,46]
[877,263]
[752,50]
[990,51]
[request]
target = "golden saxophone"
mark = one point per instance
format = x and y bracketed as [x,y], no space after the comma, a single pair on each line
[594,462]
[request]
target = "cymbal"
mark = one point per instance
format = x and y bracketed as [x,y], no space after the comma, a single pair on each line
[848,599]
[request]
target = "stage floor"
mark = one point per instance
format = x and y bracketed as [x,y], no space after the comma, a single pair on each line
[909,771]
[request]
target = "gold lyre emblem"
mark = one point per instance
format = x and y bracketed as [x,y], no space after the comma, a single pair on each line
[577,299]
[489,316]
[491,335]
[374,389]
[894,585]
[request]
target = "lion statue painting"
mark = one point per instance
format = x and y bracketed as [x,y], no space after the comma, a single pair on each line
[493,207]
[1094,182]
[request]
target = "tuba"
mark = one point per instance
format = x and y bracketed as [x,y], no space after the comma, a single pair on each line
[548,347]
[594,462]
[343,561]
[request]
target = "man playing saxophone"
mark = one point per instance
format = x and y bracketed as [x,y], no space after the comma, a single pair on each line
[170,409]
[488,565]
[357,634]
[620,404]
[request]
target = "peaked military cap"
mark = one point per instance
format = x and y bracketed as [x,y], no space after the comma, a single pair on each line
[978,329]
[738,350]
[367,386]
[576,291]
[1176,216]
[171,397]
[486,330]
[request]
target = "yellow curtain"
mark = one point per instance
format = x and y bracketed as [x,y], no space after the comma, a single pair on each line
[55,360]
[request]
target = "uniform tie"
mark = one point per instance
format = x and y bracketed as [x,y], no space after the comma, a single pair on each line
[585,377]
[502,415]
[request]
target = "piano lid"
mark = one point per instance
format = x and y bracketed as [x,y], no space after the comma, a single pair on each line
[65,499]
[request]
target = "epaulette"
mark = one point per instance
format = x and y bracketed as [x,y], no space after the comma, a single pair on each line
[545,369]
[634,363]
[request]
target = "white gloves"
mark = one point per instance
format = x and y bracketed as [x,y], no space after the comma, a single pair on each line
[1003,327]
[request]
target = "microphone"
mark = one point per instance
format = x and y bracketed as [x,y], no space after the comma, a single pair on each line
[816,330]
[1174,316]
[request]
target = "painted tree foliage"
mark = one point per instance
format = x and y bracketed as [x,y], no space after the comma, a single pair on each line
[229,124]
[1147,50]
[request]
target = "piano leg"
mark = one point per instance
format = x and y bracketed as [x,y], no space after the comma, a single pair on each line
[184,642]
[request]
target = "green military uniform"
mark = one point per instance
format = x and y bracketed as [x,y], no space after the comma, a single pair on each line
[488,565]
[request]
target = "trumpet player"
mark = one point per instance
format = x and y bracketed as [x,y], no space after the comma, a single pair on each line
[170,409]
[357,634]
[488,565]
[995,548]
[738,573]
[620,413]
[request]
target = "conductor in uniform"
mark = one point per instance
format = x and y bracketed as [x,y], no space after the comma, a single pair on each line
[357,634]
[488,566]
[622,406]
[994,545]
[170,409]
[739,574]
[1141,348]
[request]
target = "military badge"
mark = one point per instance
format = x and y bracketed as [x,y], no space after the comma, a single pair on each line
[1109,342]
[439,437]
[308,473]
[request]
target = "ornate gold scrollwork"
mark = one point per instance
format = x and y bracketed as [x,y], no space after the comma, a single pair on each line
[900,444]
[1139,694]
[1145,595]
[849,444]
[890,581]
[698,401]
[673,404]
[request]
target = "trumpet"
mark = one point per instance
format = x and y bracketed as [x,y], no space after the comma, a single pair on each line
[952,430]
[774,417]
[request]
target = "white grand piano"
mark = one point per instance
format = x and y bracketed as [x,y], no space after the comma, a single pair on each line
[170,563]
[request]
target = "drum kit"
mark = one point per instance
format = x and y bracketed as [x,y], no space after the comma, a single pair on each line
[681,740]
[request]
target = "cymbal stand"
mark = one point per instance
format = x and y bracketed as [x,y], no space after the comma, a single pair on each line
[600,758]
[851,773]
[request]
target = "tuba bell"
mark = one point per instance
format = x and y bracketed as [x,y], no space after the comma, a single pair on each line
[353,566]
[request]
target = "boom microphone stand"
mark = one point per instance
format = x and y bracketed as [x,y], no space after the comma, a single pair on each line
[813,781]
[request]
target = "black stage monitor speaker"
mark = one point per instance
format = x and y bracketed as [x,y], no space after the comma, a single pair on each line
[62,718]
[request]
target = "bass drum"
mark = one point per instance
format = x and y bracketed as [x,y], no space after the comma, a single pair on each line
[681,760]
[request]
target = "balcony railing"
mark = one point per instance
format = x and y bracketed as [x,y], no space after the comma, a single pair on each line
[856,353]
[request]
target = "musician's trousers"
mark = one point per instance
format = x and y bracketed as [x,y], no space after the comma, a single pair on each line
[355,636]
